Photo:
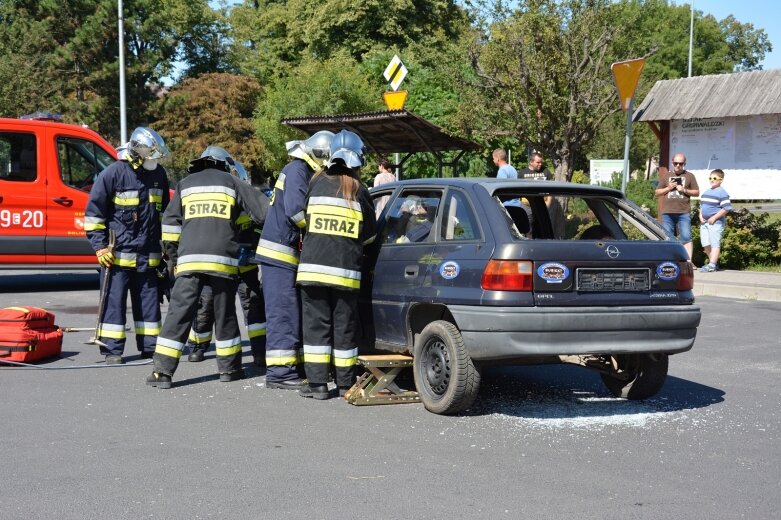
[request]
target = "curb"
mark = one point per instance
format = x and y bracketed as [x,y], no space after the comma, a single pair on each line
[739,285]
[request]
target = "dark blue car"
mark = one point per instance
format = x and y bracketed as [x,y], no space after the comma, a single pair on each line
[471,272]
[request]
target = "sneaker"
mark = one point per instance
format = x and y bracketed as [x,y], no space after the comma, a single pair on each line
[114,359]
[159,380]
[316,391]
[707,268]
[232,376]
[196,356]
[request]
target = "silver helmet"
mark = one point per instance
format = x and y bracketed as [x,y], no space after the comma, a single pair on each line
[145,143]
[214,157]
[237,170]
[347,147]
[316,147]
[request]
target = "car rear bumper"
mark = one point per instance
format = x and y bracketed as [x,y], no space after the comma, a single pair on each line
[495,333]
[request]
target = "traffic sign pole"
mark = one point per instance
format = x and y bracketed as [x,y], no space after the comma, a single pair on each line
[626,74]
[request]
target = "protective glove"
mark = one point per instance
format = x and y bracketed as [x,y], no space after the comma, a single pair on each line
[164,282]
[105,257]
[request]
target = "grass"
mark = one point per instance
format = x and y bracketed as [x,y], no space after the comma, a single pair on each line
[772,268]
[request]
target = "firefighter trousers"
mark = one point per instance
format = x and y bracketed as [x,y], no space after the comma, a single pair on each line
[251,299]
[283,318]
[329,333]
[142,286]
[181,311]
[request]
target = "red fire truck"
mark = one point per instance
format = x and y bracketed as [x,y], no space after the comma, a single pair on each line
[46,171]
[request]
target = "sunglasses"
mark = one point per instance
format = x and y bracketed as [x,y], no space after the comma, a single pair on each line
[714,178]
[678,163]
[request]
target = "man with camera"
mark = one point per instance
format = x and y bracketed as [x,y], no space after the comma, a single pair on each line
[675,189]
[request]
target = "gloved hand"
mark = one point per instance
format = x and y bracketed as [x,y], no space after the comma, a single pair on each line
[164,282]
[105,257]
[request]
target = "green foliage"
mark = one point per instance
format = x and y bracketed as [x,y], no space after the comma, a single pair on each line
[274,36]
[211,109]
[638,190]
[749,239]
[310,92]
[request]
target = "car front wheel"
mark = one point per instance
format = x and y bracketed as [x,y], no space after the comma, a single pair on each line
[639,376]
[446,378]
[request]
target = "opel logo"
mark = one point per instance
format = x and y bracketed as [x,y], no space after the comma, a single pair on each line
[612,251]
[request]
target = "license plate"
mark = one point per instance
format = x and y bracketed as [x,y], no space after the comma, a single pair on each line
[613,280]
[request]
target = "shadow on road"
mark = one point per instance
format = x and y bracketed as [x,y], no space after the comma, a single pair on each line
[567,392]
[49,282]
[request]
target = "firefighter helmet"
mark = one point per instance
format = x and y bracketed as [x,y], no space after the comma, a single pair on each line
[215,157]
[145,143]
[347,147]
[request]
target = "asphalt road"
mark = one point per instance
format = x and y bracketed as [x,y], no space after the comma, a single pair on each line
[540,442]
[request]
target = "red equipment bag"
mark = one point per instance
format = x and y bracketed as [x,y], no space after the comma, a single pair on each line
[28,334]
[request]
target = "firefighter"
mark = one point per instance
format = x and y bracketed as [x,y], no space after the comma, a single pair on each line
[127,201]
[278,251]
[201,235]
[250,293]
[340,222]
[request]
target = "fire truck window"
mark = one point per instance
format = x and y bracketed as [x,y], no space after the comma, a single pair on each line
[81,161]
[18,157]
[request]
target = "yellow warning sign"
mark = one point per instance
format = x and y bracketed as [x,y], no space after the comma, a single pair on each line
[626,74]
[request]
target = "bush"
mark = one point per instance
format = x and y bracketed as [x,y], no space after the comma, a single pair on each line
[639,191]
[749,239]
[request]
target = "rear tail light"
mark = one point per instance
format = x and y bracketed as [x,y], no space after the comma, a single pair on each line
[686,278]
[508,275]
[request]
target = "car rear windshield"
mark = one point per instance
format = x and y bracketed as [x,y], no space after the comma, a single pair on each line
[575,217]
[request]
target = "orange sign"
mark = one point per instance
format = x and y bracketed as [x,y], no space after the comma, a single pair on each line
[626,74]
[395,100]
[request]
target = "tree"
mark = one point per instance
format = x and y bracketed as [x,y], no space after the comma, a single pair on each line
[543,77]
[274,36]
[211,109]
[66,52]
[719,47]
[344,88]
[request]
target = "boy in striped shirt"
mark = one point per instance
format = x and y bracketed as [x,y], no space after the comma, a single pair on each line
[714,206]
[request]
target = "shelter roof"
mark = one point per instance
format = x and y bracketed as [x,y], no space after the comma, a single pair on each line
[721,95]
[387,132]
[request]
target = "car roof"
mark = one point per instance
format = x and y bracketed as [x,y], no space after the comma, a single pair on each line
[531,186]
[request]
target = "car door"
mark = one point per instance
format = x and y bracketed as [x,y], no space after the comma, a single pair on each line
[460,253]
[22,198]
[401,275]
[79,160]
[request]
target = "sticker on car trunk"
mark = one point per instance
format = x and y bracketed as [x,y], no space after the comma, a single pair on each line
[449,270]
[553,272]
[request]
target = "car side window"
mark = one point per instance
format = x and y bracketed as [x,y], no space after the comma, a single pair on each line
[458,220]
[18,157]
[80,161]
[411,217]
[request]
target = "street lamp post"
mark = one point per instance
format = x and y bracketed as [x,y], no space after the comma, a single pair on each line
[122,107]
[691,37]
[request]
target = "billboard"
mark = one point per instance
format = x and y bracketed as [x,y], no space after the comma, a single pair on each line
[747,148]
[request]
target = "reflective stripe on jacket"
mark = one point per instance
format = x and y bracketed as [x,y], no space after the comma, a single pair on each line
[131,203]
[200,226]
[282,230]
[337,230]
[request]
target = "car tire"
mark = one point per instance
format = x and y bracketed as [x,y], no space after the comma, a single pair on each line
[643,375]
[445,376]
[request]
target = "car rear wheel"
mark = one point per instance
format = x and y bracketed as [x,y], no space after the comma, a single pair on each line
[640,376]
[446,378]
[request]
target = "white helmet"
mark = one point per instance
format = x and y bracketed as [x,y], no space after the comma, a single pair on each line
[347,147]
